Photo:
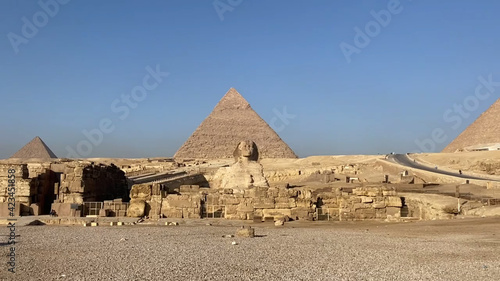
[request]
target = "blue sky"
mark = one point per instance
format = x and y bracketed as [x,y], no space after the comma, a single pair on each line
[390,95]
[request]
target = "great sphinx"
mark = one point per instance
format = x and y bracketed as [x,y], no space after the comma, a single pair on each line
[245,173]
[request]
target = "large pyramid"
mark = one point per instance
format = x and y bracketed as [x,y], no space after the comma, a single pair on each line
[483,133]
[36,148]
[232,121]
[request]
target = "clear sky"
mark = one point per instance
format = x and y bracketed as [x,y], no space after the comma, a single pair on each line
[355,80]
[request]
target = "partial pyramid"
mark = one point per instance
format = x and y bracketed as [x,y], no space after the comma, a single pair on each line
[36,148]
[231,121]
[483,134]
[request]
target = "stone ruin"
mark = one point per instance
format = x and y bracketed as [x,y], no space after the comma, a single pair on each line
[59,185]
[242,192]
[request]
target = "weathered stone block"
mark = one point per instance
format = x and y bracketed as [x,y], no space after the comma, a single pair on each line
[303,203]
[362,206]
[393,211]
[365,199]
[393,201]
[229,200]
[245,232]
[231,210]
[264,203]
[285,202]
[136,208]
[172,212]
[365,214]
[272,192]
[271,213]
[244,207]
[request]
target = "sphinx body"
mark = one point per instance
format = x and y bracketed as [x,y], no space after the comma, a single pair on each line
[245,173]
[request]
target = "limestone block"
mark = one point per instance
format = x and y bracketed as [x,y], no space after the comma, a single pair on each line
[302,213]
[182,201]
[172,212]
[285,202]
[303,203]
[379,205]
[245,207]
[258,212]
[362,206]
[272,192]
[261,191]
[213,199]
[304,194]
[34,209]
[76,186]
[142,191]
[393,201]
[237,216]
[136,208]
[245,232]
[271,213]
[229,200]
[231,210]
[389,191]
[380,213]
[374,192]
[249,193]
[393,211]
[365,199]
[365,214]
[360,191]
[264,203]
[191,213]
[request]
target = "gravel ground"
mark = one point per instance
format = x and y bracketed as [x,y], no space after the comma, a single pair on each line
[333,251]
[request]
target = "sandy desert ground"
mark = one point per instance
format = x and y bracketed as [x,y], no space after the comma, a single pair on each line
[461,249]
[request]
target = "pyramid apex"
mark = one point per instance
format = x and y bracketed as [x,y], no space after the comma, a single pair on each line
[232,100]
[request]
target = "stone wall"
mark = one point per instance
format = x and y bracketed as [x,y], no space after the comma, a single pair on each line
[261,203]
[84,182]
[40,185]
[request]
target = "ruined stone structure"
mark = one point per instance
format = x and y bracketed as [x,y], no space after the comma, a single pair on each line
[483,134]
[262,203]
[43,186]
[232,120]
[241,191]
[36,148]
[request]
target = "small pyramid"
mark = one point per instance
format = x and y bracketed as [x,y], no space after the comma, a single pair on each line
[36,148]
[231,121]
[483,133]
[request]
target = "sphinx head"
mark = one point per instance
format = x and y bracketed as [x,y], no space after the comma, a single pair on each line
[246,151]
